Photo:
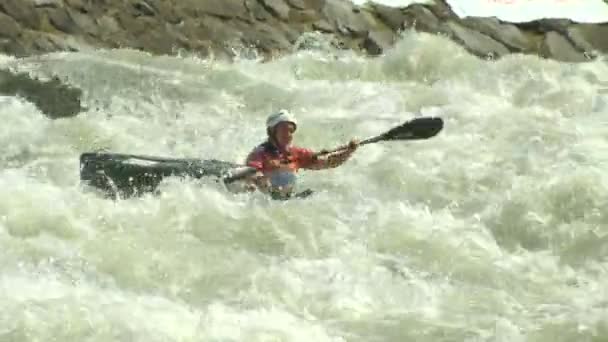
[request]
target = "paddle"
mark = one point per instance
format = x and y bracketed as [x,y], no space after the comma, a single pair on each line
[415,129]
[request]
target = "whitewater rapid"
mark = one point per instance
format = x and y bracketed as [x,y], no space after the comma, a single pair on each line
[495,230]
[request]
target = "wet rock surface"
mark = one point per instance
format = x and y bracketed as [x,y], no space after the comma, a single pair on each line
[273,26]
[52,97]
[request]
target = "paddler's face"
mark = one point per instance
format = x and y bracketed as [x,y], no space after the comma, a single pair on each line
[284,133]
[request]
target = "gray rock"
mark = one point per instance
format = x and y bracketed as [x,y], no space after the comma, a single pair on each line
[218,27]
[589,38]
[266,38]
[220,8]
[43,42]
[303,16]
[475,42]
[108,25]
[217,30]
[316,5]
[323,25]
[9,28]
[441,10]
[13,47]
[299,4]
[377,42]
[157,41]
[278,8]
[62,21]
[23,11]
[143,8]
[54,98]
[168,12]
[291,31]
[134,26]
[257,11]
[422,19]
[506,34]
[344,16]
[392,17]
[84,22]
[547,25]
[82,6]
[558,47]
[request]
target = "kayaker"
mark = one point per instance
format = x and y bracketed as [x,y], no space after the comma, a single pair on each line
[278,161]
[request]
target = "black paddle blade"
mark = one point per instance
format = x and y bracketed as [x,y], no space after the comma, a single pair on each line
[418,128]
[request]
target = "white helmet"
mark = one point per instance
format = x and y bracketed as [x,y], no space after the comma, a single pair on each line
[282,115]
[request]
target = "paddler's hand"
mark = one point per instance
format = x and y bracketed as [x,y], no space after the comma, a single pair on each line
[353,145]
[338,158]
[257,181]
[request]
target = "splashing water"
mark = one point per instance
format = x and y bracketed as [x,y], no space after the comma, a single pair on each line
[495,230]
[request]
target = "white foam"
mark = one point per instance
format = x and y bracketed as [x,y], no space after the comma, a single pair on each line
[492,227]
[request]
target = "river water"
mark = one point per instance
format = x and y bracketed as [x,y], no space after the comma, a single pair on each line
[494,230]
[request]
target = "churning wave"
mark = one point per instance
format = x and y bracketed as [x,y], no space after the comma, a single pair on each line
[495,230]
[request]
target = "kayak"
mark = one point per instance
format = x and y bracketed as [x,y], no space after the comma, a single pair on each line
[126,175]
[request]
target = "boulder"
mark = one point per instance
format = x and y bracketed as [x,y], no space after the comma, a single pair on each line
[507,34]
[158,41]
[86,23]
[377,42]
[226,9]
[303,16]
[257,11]
[547,25]
[145,8]
[558,47]
[422,19]
[589,38]
[477,43]
[107,25]
[13,47]
[278,8]
[323,25]
[54,98]
[82,6]
[347,19]
[298,4]
[441,10]
[266,38]
[23,11]
[391,16]
[217,30]
[9,28]
[61,19]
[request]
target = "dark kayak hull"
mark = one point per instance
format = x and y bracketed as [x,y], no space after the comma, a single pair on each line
[127,175]
[119,175]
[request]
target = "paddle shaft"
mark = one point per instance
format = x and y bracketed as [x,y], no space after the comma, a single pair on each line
[346,147]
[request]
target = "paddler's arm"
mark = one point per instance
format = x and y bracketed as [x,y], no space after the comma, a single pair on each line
[335,159]
[259,180]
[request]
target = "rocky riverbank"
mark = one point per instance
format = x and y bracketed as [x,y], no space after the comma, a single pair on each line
[273,27]
[222,28]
